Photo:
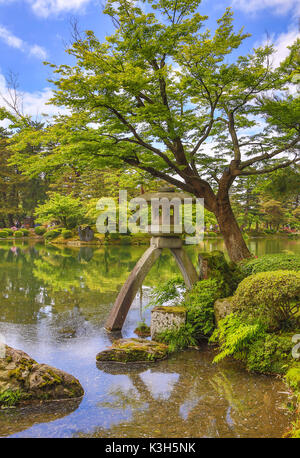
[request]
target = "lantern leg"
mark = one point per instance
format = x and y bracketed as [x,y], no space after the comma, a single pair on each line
[128,291]
[186,266]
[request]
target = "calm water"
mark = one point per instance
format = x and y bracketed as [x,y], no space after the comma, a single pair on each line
[54,302]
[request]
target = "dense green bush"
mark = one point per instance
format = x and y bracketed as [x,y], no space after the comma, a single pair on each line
[25,232]
[3,234]
[248,340]
[270,296]
[228,275]
[178,339]
[18,234]
[9,231]
[40,230]
[66,233]
[50,235]
[200,307]
[269,262]
[235,334]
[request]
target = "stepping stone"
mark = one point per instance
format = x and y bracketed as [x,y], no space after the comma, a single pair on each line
[134,350]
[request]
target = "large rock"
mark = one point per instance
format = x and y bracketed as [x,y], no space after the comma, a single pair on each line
[23,379]
[222,308]
[166,319]
[133,350]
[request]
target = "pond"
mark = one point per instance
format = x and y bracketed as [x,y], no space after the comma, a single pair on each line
[54,303]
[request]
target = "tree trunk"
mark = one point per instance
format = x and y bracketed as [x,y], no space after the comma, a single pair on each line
[233,238]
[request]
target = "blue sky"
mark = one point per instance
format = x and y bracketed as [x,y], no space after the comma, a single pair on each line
[32,31]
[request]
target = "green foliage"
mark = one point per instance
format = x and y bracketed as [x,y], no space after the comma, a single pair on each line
[66,210]
[9,231]
[247,340]
[236,335]
[40,230]
[170,291]
[178,339]
[10,397]
[227,275]
[3,234]
[128,105]
[270,296]
[200,307]
[66,233]
[18,234]
[293,377]
[25,232]
[50,235]
[271,262]
[272,353]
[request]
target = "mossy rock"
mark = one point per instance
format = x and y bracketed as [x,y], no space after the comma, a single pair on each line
[23,379]
[142,330]
[222,308]
[133,350]
[293,377]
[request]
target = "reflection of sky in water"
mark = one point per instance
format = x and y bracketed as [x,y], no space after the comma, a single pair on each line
[159,384]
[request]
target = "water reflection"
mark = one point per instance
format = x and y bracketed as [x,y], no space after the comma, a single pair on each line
[53,305]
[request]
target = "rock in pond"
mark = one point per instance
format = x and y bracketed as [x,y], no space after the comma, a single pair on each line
[22,379]
[222,308]
[133,350]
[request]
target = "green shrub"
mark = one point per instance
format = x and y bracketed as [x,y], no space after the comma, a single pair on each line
[66,233]
[25,232]
[235,336]
[9,397]
[18,234]
[293,377]
[178,339]
[270,354]
[270,262]
[3,234]
[40,230]
[247,340]
[200,307]
[228,275]
[271,296]
[169,291]
[50,235]
[9,231]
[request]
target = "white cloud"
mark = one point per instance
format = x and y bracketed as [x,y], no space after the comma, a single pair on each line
[33,103]
[38,51]
[45,8]
[281,43]
[15,42]
[10,39]
[278,7]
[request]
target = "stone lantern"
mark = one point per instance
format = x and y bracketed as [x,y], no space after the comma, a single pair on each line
[166,230]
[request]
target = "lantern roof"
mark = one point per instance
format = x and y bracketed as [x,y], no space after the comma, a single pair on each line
[166,192]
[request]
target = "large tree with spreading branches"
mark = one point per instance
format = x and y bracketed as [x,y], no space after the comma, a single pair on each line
[166,96]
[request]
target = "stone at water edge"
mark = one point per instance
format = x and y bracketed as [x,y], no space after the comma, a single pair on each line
[133,350]
[166,318]
[23,379]
[222,308]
